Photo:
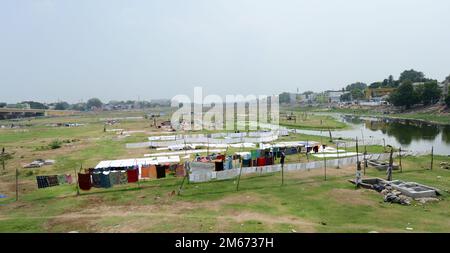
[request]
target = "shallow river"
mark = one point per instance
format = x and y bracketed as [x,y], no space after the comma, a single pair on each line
[407,134]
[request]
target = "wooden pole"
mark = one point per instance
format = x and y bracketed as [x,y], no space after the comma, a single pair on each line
[182,182]
[357,150]
[17,184]
[400,157]
[239,177]
[384,145]
[3,158]
[307,146]
[432,157]
[337,153]
[365,160]
[358,165]
[77,186]
[391,161]
[325,165]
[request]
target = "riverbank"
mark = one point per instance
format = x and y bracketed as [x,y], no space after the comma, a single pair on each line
[310,121]
[426,117]
[306,203]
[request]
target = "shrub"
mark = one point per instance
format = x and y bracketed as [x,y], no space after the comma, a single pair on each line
[55,144]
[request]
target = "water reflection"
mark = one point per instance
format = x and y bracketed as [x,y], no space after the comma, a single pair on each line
[446,134]
[404,131]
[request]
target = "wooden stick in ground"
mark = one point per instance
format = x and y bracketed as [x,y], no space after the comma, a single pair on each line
[432,156]
[400,157]
[365,159]
[17,184]
[337,153]
[3,156]
[77,186]
[357,151]
[358,166]
[325,165]
[391,161]
[184,178]
[239,177]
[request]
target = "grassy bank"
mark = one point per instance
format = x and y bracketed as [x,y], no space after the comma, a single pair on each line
[306,203]
[310,121]
[431,117]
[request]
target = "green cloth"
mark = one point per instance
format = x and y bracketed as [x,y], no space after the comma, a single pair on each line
[123,177]
[62,179]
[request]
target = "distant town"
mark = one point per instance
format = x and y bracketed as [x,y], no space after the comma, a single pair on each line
[412,90]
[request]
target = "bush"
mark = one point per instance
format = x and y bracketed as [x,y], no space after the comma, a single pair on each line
[447,101]
[29,173]
[55,144]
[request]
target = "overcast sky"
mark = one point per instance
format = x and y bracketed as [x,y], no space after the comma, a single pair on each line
[72,50]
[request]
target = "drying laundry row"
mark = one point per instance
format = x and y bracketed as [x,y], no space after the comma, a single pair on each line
[108,177]
[53,180]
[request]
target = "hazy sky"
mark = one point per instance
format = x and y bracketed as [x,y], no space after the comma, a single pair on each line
[73,50]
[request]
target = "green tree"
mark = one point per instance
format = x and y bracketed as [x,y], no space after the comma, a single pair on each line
[62,106]
[3,105]
[375,85]
[94,103]
[412,75]
[391,81]
[346,97]
[405,95]
[35,105]
[284,98]
[79,107]
[447,100]
[357,85]
[430,93]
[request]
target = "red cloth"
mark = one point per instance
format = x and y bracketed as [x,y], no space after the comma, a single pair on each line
[261,161]
[133,175]
[84,181]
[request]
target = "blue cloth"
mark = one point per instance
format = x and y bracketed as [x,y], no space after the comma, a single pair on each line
[104,180]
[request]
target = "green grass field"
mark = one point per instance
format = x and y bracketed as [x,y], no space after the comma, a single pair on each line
[306,203]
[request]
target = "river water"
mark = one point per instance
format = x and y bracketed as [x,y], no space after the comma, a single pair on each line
[407,134]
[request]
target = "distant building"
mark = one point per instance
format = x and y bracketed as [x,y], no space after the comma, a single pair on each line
[293,98]
[371,93]
[445,88]
[334,96]
[307,98]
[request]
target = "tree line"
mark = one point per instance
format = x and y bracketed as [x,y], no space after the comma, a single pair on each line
[412,88]
[91,104]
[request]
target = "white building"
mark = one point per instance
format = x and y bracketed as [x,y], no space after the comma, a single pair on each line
[334,96]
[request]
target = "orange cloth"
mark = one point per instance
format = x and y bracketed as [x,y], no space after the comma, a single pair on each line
[145,172]
[152,169]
